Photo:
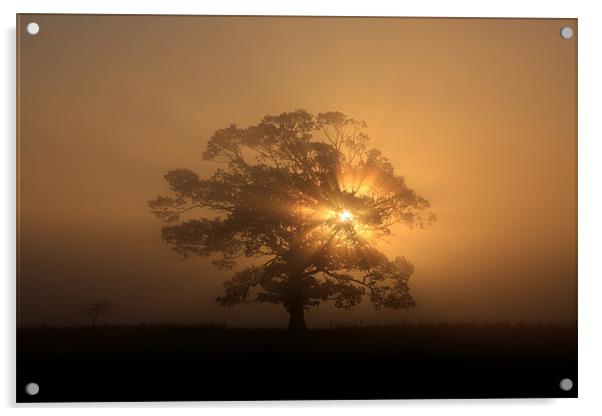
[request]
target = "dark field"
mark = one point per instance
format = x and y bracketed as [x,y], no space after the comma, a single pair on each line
[169,362]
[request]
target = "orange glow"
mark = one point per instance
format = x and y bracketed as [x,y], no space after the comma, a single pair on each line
[345,216]
[461,108]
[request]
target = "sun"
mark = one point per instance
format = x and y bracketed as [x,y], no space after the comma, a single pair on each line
[345,216]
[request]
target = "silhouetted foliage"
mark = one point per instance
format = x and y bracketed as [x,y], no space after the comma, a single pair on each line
[93,310]
[308,198]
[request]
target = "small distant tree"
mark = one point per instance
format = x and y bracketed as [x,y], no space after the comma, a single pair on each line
[308,198]
[94,309]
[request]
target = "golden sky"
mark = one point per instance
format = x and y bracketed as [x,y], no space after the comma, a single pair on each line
[479,115]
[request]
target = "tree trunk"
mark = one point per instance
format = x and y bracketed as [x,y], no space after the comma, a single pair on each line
[296,308]
[296,322]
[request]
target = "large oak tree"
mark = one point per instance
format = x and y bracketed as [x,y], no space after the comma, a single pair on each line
[307,200]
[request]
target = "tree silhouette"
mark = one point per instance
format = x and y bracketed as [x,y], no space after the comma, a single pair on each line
[94,309]
[306,198]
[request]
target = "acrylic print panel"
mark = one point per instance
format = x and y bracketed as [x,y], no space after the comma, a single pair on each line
[256,208]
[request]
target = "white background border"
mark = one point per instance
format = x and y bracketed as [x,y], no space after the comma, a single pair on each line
[590,201]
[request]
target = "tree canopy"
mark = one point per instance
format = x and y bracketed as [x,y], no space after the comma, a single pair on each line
[307,199]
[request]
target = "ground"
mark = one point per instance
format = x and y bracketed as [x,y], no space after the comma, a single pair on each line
[197,362]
